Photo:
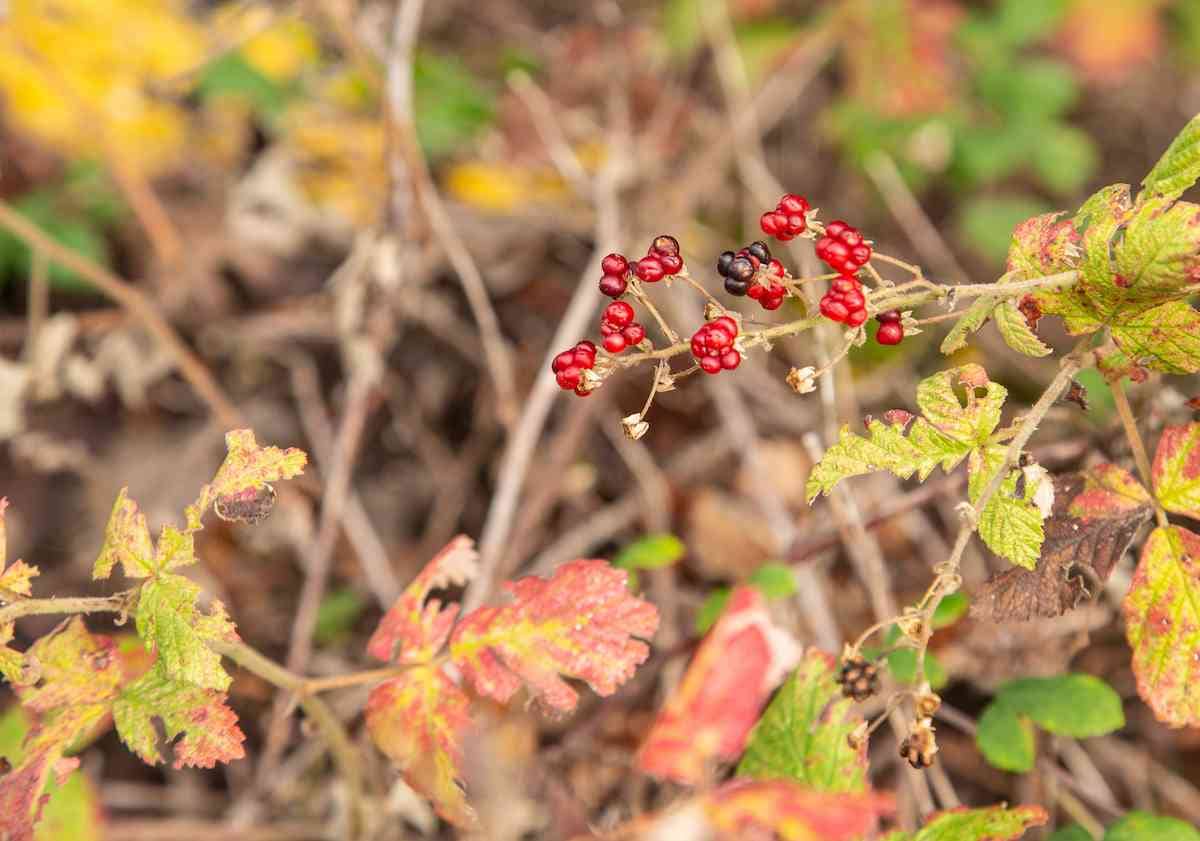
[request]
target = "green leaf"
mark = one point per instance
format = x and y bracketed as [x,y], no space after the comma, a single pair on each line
[1179,167]
[1176,472]
[1080,706]
[803,734]
[209,727]
[902,663]
[653,551]
[711,609]
[232,76]
[985,221]
[775,581]
[950,609]
[1016,332]
[974,318]
[126,540]
[169,621]
[338,613]
[451,106]
[1142,826]
[1005,739]
[1043,245]
[1064,158]
[1165,339]
[994,823]
[1010,524]
[1029,91]
[1157,255]
[248,466]
[174,548]
[1162,624]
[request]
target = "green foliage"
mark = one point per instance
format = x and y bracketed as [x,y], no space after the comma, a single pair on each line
[775,581]
[985,221]
[1179,167]
[172,624]
[1141,826]
[1016,332]
[232,76]
[995,823]
[337,614]
[804,733]
[450,104]
[1075,705]
[209,728]
[1074,832]
[653,551]
[948,430]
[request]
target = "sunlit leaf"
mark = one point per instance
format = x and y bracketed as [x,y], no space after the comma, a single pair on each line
[1176,471]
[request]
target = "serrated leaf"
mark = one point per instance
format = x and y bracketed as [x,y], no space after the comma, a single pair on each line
[1142,826]
[1165,339]
[169,622]
[248,466]
[1176,471]
[418,719]
[208,726]
[80,674]
[994,823]
[1096,515]
[582,623]
[1010,524]
[790,812]
[944,435]
[1179,167]
[174,548]
[1162,624]
[413,630]
[971,321]
[126,540]
[804,733]
[1157,255]
[1043,245]
[709,715]
[1016,332]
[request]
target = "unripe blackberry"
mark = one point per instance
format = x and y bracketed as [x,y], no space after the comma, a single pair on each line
[736,287]
[665,244]
[859,679]
[759,249]
[723,263]
[741,268]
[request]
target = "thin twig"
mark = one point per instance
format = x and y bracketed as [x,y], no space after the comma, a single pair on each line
[1140,457]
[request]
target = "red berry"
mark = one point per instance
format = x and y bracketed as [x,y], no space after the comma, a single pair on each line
[727,324]
[845,284]
[608,328]
[614,343]
[856,317]
[853,299]
[618,313]
[563,360]
[835,228]
[770,222]
[649,269]
[634,333]
[710,364]
[833,309]
[587,346]
[776,268]
[568,378]
[665,244]
[772,303]
[890,333]
[615,265]
[730,359]
[671,263]
[793,204]
[861,254]
[712,345]
[888,315]
[613,286]
[756,291]
[785,236]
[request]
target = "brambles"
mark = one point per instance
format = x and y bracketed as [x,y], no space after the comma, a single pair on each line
[844,302]
[891,329]
[614,281]
[570,365]
[788,220]
[618,327]
[858,678]
[843,248]
[713,346]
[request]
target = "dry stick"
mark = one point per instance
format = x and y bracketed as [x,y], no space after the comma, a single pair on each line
[400,113]
[136,304]
[1140,456]
[39,299]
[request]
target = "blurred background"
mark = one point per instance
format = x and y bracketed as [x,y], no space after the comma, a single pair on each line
[369,223]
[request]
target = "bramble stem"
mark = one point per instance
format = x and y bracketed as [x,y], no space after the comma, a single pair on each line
[1140,456]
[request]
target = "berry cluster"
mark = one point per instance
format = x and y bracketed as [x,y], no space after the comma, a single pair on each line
[712,345]
[891,330]
[753,272]
[662,259]
[845,302]
[616,271]
[788,220]
[859,679]
[569,366]
[618,327]
[843,248]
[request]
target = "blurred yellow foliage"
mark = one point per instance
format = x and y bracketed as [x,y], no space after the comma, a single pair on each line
[279,49]
[66,63]
[340,159]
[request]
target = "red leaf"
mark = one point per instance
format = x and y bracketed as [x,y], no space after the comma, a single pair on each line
[413,631]
[580,623]
[787,810]
[418,720]
[719,699]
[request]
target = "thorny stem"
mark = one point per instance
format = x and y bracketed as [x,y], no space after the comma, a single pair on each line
[1140,457]
[948,579]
